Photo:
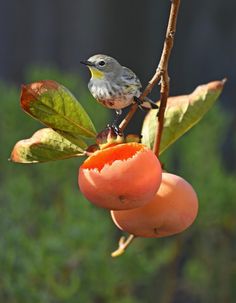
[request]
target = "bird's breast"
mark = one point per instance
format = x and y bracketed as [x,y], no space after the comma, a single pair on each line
[112,95]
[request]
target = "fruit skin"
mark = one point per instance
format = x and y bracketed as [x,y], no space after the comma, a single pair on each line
[122,184]
[172,210]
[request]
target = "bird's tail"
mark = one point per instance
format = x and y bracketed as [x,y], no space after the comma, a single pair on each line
[147,103]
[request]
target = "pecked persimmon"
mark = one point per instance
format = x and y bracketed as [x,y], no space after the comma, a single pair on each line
[172,210]
[123,176]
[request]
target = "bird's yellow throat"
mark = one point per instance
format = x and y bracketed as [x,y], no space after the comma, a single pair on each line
[96,74]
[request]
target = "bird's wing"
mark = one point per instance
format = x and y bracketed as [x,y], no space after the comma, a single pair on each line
[129,76]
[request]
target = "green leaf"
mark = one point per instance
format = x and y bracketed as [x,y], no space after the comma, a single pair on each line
[46,145]
[182,113]
[54,105]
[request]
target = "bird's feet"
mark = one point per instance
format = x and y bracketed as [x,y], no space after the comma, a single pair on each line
[114,128]
[109,136]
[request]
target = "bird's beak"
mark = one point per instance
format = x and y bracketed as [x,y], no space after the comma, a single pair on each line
[86,62]
[96,74]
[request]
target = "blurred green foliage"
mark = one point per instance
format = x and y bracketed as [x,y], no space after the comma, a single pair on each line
[55,246]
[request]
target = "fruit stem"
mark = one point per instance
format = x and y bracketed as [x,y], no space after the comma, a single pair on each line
[123,244]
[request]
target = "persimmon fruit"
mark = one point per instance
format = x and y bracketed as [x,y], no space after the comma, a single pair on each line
[172,210]
[123,176]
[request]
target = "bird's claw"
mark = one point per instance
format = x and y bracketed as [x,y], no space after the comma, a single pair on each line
[115,129]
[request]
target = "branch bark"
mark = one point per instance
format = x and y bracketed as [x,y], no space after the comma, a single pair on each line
[161,75]
[162,72]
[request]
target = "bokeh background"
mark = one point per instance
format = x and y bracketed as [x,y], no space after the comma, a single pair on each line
[54,246]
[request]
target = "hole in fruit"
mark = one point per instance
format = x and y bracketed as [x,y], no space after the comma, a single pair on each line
[156,230]
[111,154]
[122,198]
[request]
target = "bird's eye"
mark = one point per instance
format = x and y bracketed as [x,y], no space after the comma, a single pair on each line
[101,63]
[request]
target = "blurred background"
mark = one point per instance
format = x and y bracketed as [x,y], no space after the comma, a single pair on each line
[54,246]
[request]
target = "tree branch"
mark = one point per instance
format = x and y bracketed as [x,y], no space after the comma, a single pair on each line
[163,71]
[161,74]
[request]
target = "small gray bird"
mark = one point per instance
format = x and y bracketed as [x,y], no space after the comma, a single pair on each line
[113,85]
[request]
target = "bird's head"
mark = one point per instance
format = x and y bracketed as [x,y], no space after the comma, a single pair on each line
[102,66]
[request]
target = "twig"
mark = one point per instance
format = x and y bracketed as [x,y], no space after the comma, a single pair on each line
[163,68]
[155,79]
[128,117]
[161,75]
[123,244]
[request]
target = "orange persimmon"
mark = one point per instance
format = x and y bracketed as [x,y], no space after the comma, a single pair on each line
[172,210]
[123,176]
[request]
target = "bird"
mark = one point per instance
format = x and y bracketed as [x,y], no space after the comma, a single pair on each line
[113,85]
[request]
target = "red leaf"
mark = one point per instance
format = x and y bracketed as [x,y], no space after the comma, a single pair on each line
[31,92]
[53,104]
